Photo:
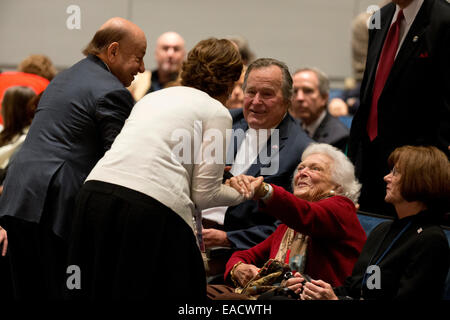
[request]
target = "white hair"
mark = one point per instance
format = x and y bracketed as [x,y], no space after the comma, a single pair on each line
[342,171]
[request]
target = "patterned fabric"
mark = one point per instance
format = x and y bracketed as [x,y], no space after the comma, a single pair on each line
[268,278]
[292,250]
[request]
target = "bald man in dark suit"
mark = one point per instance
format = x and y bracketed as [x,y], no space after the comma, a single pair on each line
[77,119]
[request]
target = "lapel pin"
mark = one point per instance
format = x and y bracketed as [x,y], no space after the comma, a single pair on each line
[419,230]
[415,39]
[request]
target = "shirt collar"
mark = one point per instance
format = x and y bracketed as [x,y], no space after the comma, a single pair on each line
[409,12]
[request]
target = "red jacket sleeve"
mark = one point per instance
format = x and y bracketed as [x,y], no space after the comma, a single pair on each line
[330,218]
[259,254]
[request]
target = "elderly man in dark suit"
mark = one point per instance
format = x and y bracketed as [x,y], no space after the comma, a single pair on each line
[309,106]
[78,118]
[267,97]
[405,92]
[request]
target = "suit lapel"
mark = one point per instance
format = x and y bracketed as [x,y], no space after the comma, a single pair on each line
[320,129]
[234,146]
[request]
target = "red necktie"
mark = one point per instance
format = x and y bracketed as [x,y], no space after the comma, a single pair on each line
[384,67]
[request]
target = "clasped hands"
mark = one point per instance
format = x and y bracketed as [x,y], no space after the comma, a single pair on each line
[248,186]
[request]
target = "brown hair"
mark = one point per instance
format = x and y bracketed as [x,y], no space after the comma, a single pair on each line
[103,38]
[425,175]
[16,115]
[38,64]
[213,66]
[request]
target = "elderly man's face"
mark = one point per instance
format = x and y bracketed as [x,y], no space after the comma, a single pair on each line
[170,52]
[307,102]
[264,105]
[130,59]
[313,177]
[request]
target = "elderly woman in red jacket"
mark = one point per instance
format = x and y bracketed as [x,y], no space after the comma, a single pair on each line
[321,235]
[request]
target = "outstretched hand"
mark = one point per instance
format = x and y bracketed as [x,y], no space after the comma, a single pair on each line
[246,185]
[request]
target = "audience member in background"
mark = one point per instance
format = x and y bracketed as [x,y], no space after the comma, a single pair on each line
[135,212]
[321,235]
[309,105]
[244,49]
[169,54]
[35,72]
[405,92]
[17,118]
[258,150]
[236,99]
[348,102]
[16,121]
[408,258]
[38,64]
[78,118]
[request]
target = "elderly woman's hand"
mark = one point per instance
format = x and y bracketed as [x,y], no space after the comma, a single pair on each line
[3,240]
[295,283]
[243,273]
[245,185]
[318,290]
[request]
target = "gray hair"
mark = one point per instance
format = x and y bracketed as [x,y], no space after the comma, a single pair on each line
[343,171]
[324,82]
[286,86]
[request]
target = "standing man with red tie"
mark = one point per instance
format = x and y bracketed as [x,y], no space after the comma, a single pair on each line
[405,92]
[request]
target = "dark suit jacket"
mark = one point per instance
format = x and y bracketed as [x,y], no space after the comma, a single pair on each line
[414,106]
[78,117]
[332,131]
[245,225]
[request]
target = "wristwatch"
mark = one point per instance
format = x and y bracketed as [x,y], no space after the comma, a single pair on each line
[264,191]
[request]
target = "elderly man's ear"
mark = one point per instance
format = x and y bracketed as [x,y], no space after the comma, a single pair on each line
[113,51]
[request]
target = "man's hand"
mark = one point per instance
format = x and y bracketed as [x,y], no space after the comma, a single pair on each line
[215,238]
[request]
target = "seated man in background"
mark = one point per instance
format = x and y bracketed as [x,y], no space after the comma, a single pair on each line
[267,97]
[309,105]
[169,54]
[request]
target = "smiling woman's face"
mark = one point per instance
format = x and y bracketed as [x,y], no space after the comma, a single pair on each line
[313,177]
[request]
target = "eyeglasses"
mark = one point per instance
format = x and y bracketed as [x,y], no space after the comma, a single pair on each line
[394,171]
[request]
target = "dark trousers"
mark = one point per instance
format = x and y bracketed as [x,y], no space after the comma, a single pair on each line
[130,246]
[36,258]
